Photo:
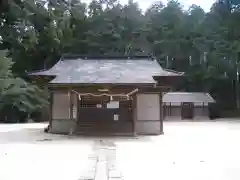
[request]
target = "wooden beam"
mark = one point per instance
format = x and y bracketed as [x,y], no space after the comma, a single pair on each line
[136,85]
[111,90]
[168,80]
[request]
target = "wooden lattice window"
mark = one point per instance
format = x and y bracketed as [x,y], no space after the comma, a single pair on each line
[126,105]
[91,102]
[123,98]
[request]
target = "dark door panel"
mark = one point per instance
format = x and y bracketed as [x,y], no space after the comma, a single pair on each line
[101,120]
[187,110]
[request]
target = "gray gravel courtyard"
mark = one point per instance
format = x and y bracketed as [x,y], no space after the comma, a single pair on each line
[187,151]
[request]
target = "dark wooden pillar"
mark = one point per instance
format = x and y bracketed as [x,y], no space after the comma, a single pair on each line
[181,111]
[203,109]
[170,109]
[134,113]
[161,112]
[72,129]
[78,106]
[51,109]
[71,105]
[77,112]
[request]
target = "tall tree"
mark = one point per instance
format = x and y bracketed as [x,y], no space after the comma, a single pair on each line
[16,94]
[204,45]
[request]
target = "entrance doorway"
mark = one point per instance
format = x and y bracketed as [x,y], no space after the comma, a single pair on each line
[96,116]
[187,110]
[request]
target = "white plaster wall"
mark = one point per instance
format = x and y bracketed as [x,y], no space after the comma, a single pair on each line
[148,127]
[63,126]
[148,114]
[61,123]
[148,107]
[61,106]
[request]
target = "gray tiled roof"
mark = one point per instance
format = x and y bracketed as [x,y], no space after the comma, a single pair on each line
[106,71]
[195,97]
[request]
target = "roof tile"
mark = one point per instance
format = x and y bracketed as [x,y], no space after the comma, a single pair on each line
[105,71]
[195,97]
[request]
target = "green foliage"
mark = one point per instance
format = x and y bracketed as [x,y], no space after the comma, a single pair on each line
[16,92]
[204,45]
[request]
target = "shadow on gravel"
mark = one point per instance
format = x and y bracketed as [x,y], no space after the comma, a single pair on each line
[39,136]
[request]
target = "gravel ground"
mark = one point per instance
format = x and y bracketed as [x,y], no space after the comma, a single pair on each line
[187,151]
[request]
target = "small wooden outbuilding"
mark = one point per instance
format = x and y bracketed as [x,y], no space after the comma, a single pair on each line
[107,95]
[186,105]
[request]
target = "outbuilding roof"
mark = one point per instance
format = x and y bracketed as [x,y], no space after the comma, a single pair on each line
[195,97]
[122,70]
